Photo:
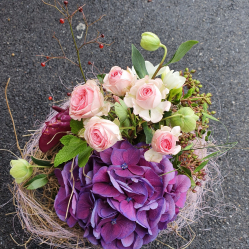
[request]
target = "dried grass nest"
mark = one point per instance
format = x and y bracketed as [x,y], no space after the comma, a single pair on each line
[35,208]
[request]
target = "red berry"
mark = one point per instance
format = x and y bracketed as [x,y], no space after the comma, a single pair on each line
[43,64]
[68,94]
[62,20]
[80,9]
[50,98]
[101,46]
[66,2]
[89,63]
[102,35]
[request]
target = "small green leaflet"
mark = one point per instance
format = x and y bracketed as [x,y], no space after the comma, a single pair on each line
[41,162]
[148,133]
[188,147]
[65,140]
[74,147]
[76,126]
[37,182]
[122,113]
[138,63]
[205,115]
[175,92]
[181,51]
[101,77]
[189,93]
[201,166]
[205,106]
[84,156]
[189,175]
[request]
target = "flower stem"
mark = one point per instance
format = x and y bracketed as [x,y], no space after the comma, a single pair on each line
[36,166]
[77,50]
[161,63]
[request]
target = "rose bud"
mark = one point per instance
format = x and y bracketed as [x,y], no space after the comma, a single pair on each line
[101,134]
[150,41]
[163,143]
[20,170]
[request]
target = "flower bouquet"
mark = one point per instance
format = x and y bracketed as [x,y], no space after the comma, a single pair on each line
[122,160]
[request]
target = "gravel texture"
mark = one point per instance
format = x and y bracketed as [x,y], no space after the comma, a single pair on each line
[221,60]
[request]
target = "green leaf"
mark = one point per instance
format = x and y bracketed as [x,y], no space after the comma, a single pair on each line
[212,155]
[205,106]
[181,51]
[205,115]
[185,118]
[69,151]
[121,111]
[189,93]
[37,182]
[138,63]
[76,126]
[65,140]
[148,132]
[201,166]
[101,77]
[84,156]
[209,133]
[188,147]
[193,184]
[175,92]
[41,162]
[187,171]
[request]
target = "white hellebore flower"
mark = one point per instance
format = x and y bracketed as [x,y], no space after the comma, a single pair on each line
[171,79]
[146,99]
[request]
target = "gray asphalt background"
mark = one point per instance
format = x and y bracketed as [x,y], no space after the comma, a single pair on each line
[221,58]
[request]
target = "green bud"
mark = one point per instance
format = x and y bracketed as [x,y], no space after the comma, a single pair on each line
[185,118]
[186,69]
[200,86]
[197,89]
[198,82]
[20,170]
[150,41]
[185,75]
[193,71]
[213,112]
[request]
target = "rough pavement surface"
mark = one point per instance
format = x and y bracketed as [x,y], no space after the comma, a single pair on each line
[221,58]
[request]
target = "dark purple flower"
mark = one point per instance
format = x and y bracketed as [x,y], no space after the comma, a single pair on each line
[55,129]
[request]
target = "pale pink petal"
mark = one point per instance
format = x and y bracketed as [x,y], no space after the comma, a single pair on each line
[153,156]
[144,114]
[156,115]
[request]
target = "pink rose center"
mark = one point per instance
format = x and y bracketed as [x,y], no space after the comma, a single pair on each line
[97,137]
[166,144]
[116,74]
[146,92]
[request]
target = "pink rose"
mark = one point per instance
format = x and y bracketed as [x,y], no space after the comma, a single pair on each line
[119,81]
[87,101]
[163,143]
[101,134]
[146,96]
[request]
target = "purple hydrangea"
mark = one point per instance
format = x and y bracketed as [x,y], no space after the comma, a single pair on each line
[119,199]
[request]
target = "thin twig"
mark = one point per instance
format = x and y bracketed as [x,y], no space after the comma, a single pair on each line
[54,7]
[14,127]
